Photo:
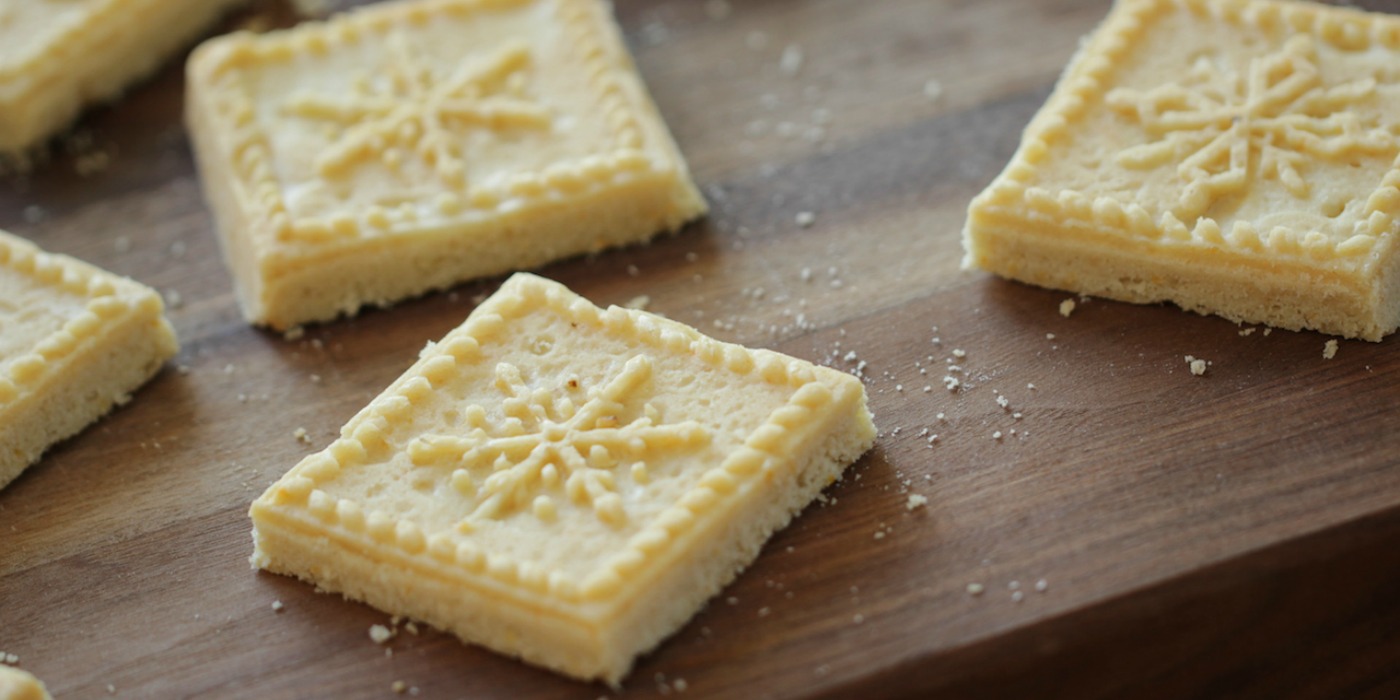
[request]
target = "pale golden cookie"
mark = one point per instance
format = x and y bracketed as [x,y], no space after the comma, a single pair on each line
[413,145]
[74,342]
[56,56]
[1236,157]
[562,483]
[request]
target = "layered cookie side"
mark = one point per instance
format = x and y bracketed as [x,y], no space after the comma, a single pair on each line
[74,342]
[1235,157]
[407,147]
[562,483]
[58,56]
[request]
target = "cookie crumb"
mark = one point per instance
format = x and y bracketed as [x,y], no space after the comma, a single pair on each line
[639,302]
[380,634]
[916,501]
[1329,350]
[1067,307]
[277,606]
[1198,366]
[975,588]
[301,435]
[805,219]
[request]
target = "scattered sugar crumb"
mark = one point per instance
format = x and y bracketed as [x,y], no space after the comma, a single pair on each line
[10,659]
[959,353]
[916,501]
[399,687]
[1067,307]
[1041,586]
[1003,401]
[951,383]
[996,435]
[1017,596]
[639,302]
[301,435]
[412,627]
[380,634]
[975,588]
[805,219]
[1245,332]
[1329,350]
[680,685]
[277,606]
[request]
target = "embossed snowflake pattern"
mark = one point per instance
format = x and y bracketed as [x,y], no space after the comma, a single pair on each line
[546,444]
[418,110]
[1226,130]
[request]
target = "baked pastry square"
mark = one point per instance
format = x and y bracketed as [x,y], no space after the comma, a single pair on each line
[74,342]
[1236,157]
[561,483]
[57,56]
[410,146]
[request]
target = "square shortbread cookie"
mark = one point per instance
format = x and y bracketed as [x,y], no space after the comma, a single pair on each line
[1236,157]
[74,342]
[18,684]
[58,55]
[561,483]
[410,146]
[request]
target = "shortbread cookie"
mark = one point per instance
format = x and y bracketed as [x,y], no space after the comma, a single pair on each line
[17,684]
[74,342]
[58,55]
[561,483]
[1236,157]
[413,145]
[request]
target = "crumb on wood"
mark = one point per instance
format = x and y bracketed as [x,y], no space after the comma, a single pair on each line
[916,501]
[380,634]
[1198,366]
[1329,350]
[1067,307]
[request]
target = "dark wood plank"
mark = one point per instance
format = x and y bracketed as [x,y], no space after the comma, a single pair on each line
[1231,534]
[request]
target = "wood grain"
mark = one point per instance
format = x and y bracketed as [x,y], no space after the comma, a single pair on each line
[1232,534]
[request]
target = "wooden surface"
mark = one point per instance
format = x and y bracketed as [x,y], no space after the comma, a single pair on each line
[1232,534]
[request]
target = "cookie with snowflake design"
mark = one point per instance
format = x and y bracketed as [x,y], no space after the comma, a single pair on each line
[563,483]
[410,146]
[1235,157]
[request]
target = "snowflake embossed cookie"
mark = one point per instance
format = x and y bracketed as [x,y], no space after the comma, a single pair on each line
[410,146]
[561,483]
[1236,157]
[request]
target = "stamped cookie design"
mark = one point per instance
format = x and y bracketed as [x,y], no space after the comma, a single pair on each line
[1234,157]
[480,136]
[563,483]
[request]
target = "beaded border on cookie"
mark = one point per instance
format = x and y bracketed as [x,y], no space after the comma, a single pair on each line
[762,452]
[250,152]
[64,274]
[1085,85]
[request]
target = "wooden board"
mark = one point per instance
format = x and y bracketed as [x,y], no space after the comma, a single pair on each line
[1232,534]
